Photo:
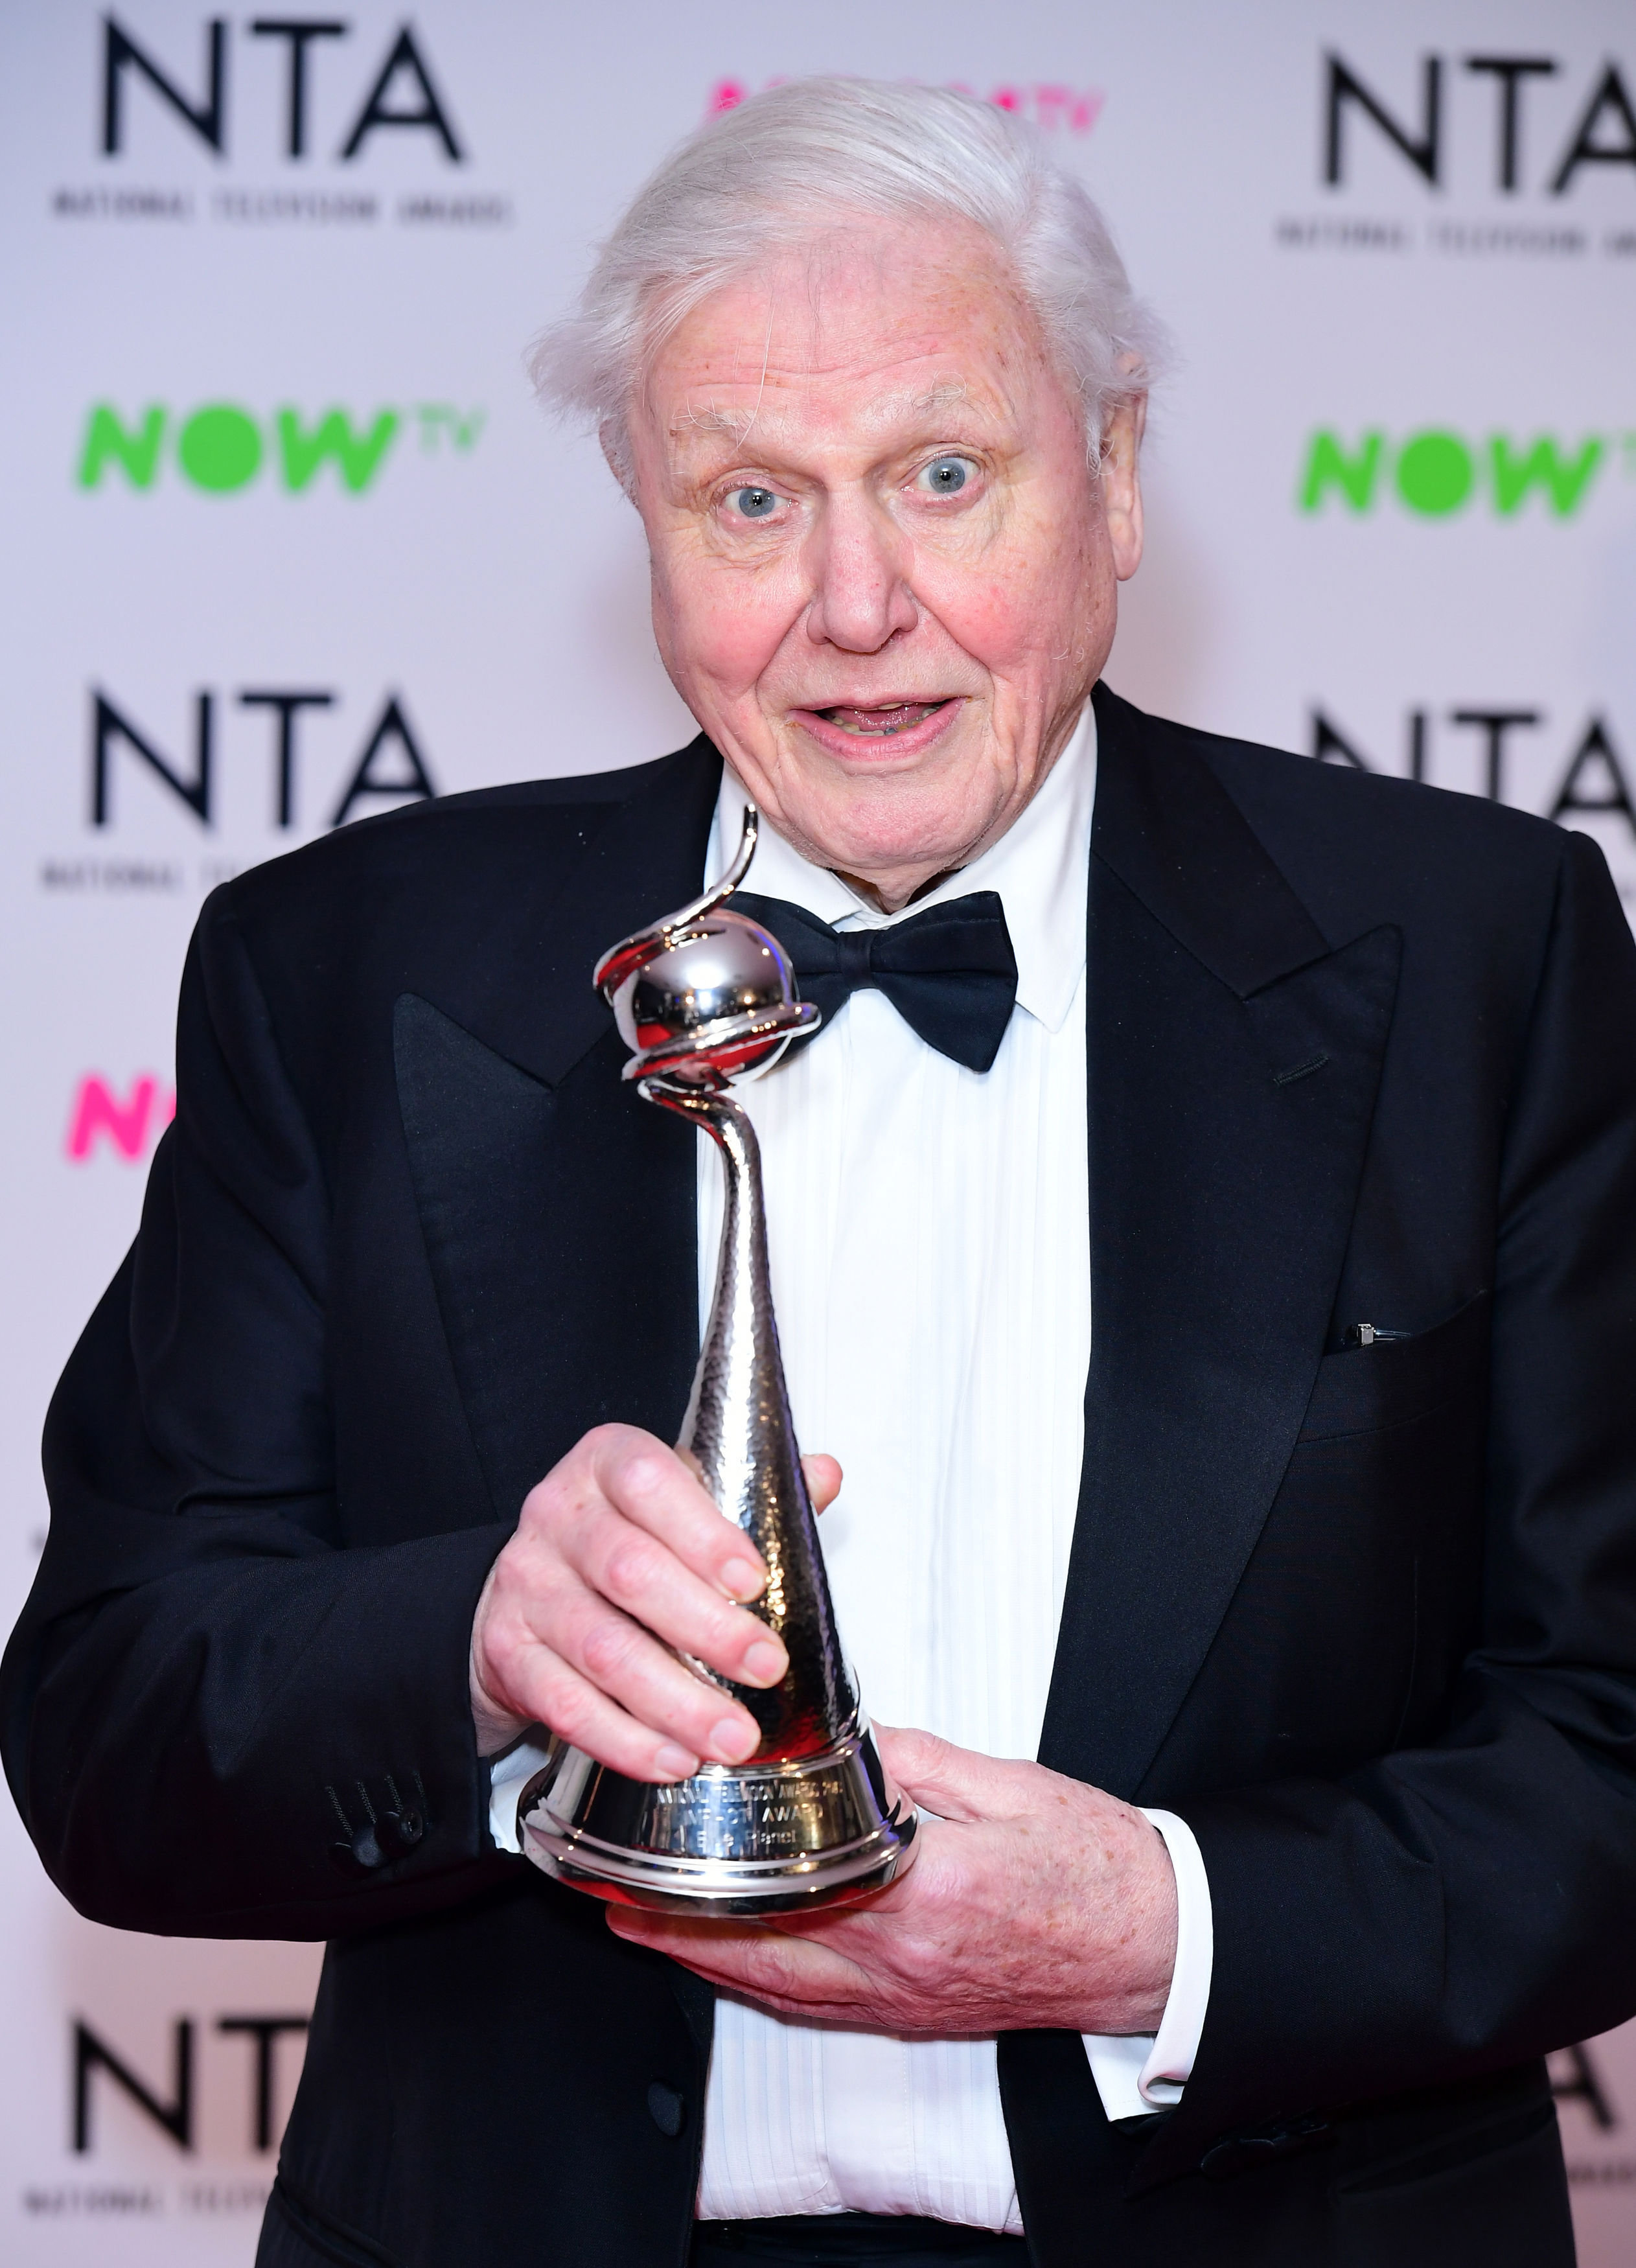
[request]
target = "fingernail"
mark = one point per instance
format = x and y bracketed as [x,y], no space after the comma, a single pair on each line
[765,1661]
[675,1762]
[732,1742]
[744,1578]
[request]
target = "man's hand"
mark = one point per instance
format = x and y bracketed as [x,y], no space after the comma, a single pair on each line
[1035,1902]
[618,1549]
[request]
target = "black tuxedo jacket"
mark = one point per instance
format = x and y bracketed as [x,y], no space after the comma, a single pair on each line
[1364,1615]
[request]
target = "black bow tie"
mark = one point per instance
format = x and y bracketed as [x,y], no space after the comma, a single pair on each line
[949,972]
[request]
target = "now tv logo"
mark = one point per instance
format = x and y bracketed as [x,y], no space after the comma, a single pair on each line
[1435,473]
[221,446]
[1050,105]
[103,1121]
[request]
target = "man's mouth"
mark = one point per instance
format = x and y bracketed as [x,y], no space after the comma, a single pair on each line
[879,723]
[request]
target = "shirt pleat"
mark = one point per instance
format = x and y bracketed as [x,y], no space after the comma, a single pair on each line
[929,1234]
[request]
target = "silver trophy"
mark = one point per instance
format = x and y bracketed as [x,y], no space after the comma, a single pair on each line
[701,997]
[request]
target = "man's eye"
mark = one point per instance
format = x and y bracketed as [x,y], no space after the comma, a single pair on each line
[756,504]
[945,476]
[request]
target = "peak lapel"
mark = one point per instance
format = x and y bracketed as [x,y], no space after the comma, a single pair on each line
[1234,1058]
[557,1208]
[628,848]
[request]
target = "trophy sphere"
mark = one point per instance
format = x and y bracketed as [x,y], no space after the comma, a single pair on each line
[712,1000]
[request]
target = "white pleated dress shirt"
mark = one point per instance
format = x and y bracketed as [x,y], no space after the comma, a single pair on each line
[930,1243]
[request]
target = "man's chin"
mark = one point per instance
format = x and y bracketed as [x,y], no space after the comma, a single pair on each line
[876,836]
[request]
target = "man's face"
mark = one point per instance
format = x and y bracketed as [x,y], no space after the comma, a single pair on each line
[884,574]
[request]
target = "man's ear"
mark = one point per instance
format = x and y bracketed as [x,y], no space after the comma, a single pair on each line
[1122,482]
[615,446]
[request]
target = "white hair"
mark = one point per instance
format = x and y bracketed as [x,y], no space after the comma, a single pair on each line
[790,165]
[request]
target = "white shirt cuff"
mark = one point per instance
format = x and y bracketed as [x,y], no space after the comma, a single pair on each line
[1135,2074]
[1142,2073]
[508,1775]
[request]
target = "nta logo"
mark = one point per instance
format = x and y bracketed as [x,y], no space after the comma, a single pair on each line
[389,763]
[175,2116]
[401,95]
[221,446]
[1589,777]
[1436,472]
[1602,132]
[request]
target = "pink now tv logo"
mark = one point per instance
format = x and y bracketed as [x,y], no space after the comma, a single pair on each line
[1055,108]
[127,1124]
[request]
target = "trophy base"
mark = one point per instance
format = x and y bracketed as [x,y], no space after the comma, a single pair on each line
[753,1838]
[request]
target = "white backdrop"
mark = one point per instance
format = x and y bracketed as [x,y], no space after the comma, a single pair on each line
[266,435]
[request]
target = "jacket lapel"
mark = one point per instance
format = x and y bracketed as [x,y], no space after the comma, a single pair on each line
[557,1208]
[1234,1057]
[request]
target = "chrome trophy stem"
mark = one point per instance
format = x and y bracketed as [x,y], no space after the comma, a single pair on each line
[811,1819]
[738,1425]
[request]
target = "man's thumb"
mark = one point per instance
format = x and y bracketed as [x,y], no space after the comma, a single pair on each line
[952,1783]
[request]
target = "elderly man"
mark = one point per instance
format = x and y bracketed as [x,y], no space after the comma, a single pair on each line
[1224,1312]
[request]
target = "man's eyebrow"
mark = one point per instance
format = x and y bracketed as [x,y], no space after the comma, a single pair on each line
[713,417]
[944,396]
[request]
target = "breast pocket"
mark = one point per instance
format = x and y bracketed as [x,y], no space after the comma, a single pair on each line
[1398,1380]
[1363,1593]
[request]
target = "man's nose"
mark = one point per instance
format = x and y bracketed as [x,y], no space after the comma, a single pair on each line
[859,564]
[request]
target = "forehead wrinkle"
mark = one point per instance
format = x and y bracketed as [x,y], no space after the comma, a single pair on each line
[734,422]
[795,324]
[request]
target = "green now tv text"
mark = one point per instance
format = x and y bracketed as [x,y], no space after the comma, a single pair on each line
[1436,472]
[221,446]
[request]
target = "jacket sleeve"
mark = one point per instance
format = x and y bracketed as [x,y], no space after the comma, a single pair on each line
[207,1701]
[1458,1908]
